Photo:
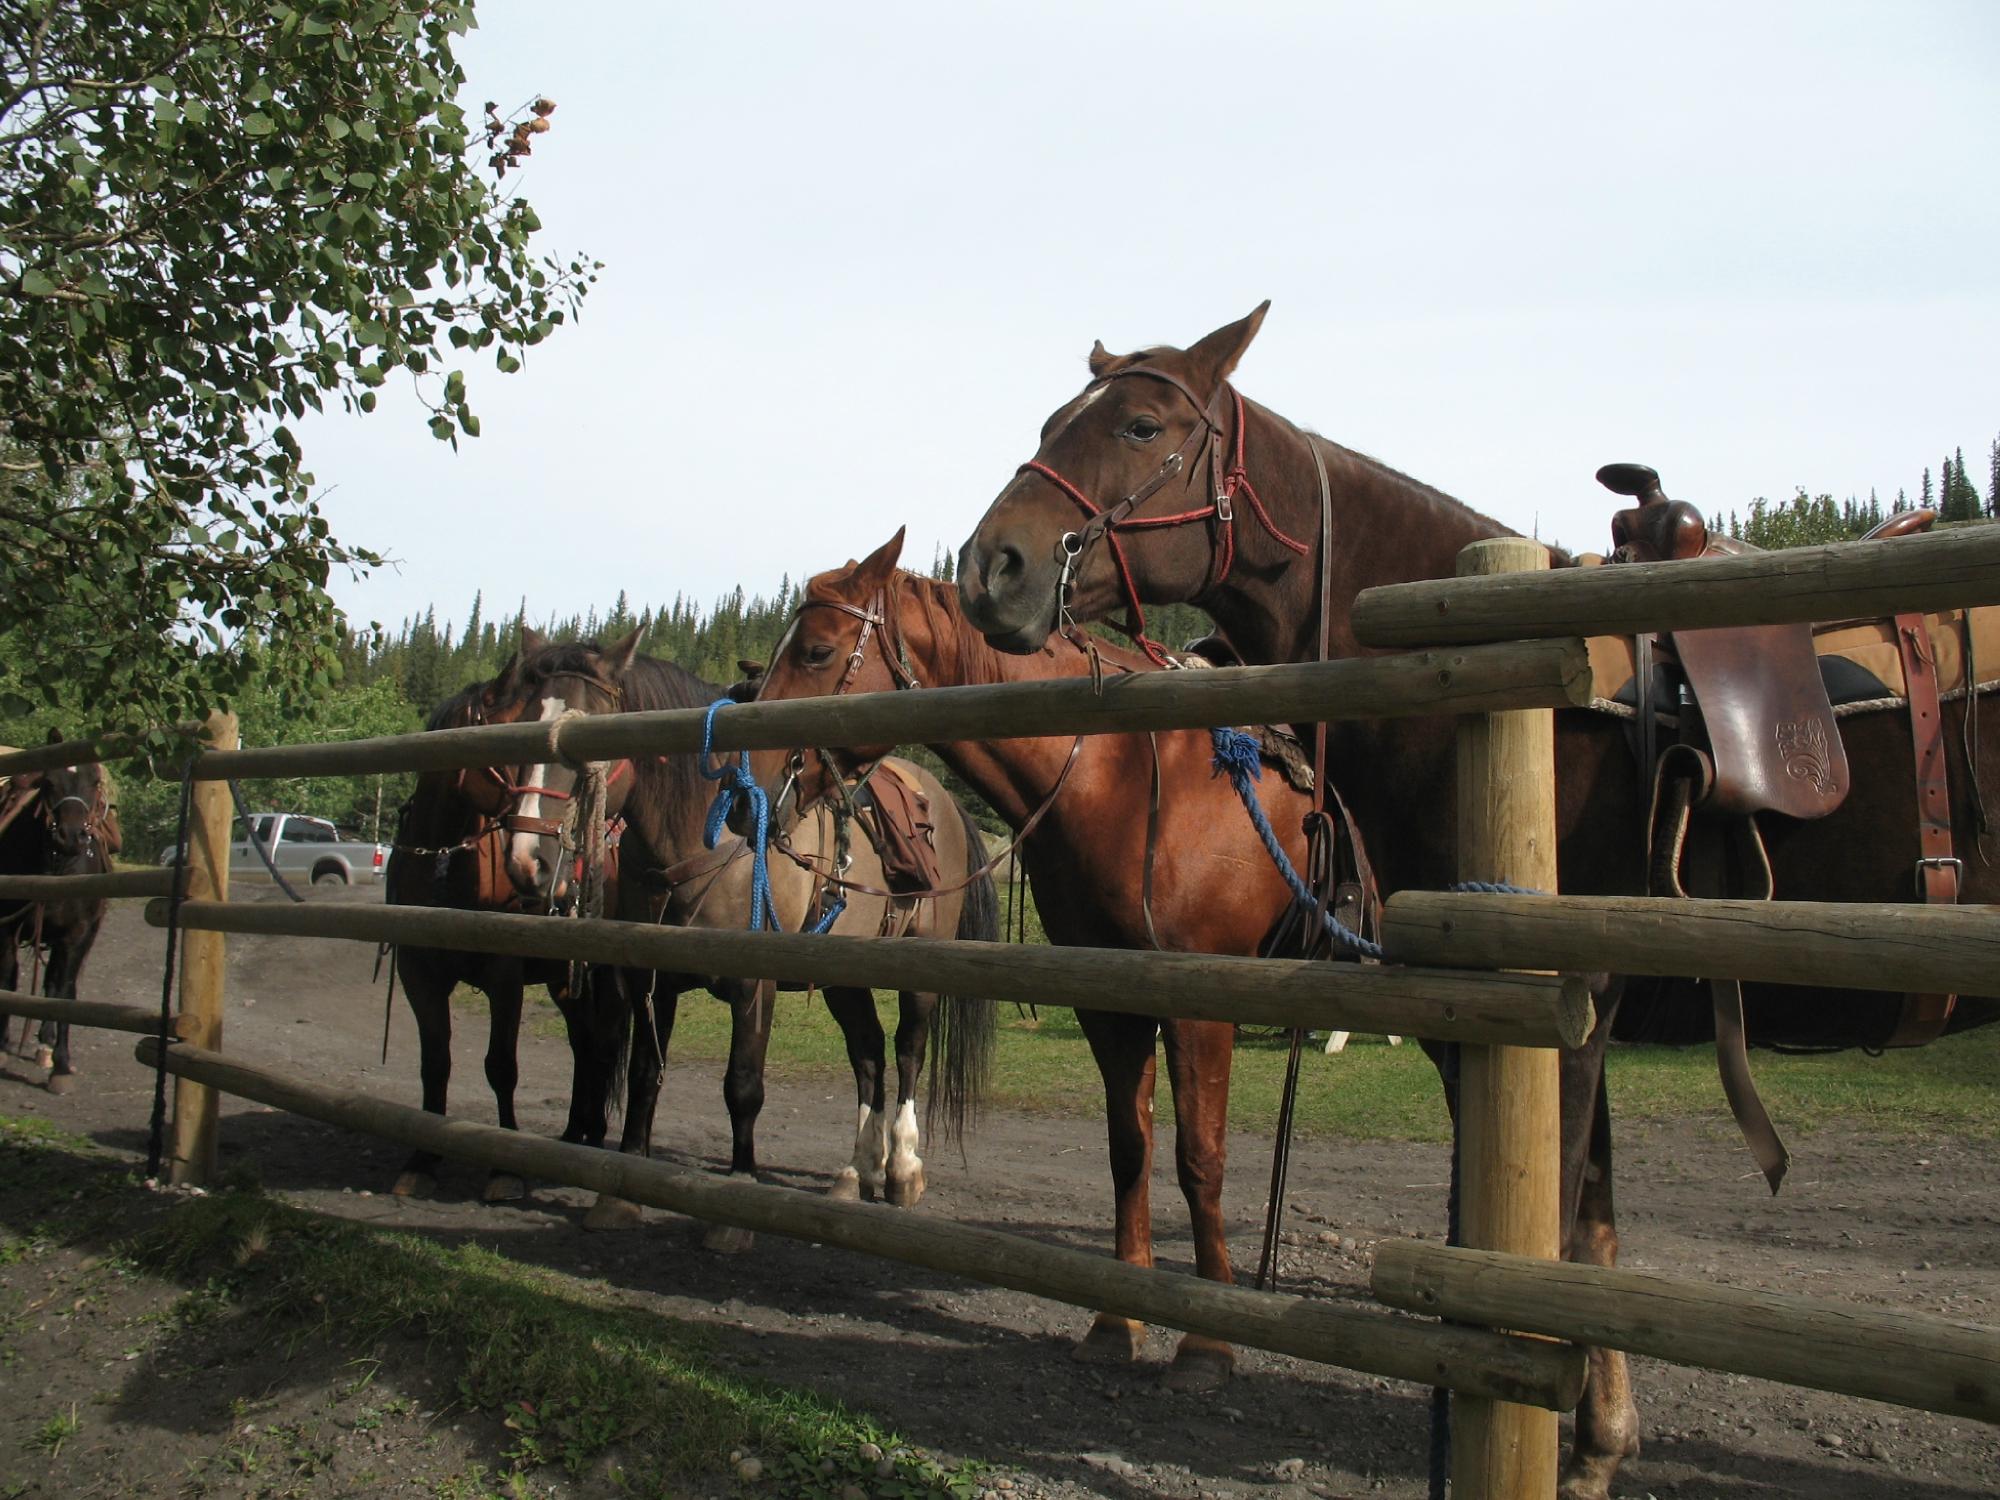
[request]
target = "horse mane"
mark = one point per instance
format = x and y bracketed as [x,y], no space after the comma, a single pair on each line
[980,662]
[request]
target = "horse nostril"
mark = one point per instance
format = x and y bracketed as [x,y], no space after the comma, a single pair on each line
[1008,561]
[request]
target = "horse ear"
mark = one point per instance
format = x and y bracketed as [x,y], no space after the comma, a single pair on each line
[1101,358]
[620,653]
[1214,359]
[873,570]
[532,640]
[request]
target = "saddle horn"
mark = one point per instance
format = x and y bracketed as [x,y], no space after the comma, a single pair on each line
[1656,528]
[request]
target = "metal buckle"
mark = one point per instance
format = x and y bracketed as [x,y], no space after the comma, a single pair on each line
[1224,512]
[1939,862]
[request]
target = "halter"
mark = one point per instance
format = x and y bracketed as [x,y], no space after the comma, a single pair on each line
[1226,482]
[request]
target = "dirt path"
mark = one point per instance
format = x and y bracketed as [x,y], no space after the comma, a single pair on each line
[970,1372]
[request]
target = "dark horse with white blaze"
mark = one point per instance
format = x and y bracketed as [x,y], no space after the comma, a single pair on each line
[1084,809]
[667,875]
[450,851]
[56,822]
[1209,498]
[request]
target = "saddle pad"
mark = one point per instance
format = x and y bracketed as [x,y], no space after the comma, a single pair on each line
[898,819]
[1867,646]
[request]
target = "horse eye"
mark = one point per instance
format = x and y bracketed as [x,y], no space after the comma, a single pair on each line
[819,655]
[1143,429]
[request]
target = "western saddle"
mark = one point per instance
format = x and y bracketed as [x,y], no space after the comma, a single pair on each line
[1756,733]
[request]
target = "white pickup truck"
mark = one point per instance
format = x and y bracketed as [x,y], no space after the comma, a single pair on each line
[302,848]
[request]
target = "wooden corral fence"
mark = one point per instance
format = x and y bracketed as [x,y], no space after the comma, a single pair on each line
[1512,1348]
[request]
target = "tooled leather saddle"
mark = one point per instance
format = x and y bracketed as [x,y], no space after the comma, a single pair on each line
[1755,733]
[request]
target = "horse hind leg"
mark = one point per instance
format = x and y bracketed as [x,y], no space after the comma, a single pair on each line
[1199,1055]
[866,1172]
[743,1092]
[913,1033]
[1607,1418]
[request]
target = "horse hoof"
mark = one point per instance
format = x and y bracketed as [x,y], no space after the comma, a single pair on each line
[45,1057]
[414,1184]
[905,1191]
[61,1083]
[1111,1341]
[846,1187]
[503,1187]
[1200,1365]
[610,1213]
[726,1239]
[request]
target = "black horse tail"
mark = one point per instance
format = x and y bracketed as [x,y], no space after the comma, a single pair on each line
[601,1017]
[964,1029]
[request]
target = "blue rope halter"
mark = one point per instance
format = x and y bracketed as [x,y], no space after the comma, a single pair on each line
[739,784]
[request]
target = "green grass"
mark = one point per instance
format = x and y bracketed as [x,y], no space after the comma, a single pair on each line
[1374,1092]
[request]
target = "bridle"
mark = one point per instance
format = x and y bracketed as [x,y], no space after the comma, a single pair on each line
[1228,478]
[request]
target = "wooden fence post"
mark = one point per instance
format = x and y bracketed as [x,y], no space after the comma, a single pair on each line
[202,963]
[1509,1099]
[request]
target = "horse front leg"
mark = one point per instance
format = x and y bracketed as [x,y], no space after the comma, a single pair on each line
[429,995]
[503,1069]
[1607,1417]
[867,1172]
[1123,1048]
[645,1011]
[1199,1055]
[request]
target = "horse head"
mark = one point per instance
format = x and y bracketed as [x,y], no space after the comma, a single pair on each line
[77,810]
[1144,446]
[844,636]
[550,683]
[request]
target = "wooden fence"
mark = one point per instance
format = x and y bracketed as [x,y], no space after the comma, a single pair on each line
[1510,1383]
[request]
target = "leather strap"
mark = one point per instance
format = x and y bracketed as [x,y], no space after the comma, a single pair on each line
[1924,1017]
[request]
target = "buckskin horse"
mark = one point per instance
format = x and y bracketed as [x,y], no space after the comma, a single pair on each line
[450,851]
[57,822]
[1084,807]
[668,875]
[1160,483]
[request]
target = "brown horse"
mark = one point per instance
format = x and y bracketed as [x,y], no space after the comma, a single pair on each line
[450,851]
[668,875]
[1215,889]
[1226,513]
[57,822]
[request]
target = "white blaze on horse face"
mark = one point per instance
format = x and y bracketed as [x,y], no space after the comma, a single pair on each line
[524,845]
[1083,404]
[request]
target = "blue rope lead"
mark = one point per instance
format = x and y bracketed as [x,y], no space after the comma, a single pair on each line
[739,783]
[1236,757]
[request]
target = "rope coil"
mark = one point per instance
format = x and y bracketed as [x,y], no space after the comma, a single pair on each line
[739,786]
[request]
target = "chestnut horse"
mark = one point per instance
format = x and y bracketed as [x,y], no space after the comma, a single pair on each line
[450,851]
[57,822]
[1228,516]
[668,875]
[1214,890]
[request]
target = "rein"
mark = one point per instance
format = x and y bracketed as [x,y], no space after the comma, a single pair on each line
[1227,480]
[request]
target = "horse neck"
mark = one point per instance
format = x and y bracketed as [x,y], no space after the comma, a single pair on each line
[1014,776]
[1387,528]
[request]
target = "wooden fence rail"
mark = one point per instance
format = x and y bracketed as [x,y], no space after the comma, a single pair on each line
[1501,1366]
[116,884]
[1908,1358]
[1524,674]
[1520,1009]
[104,1014]
[1951,569]
[1890,946]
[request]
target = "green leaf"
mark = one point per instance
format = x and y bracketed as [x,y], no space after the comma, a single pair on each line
[35,284]
[441,429]
[258,123]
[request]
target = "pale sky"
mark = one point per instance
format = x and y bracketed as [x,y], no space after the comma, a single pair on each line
[856,253]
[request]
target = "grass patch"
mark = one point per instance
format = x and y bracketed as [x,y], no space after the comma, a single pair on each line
[572,1377]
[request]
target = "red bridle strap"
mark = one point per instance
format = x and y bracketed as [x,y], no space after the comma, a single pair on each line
[1234,480]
